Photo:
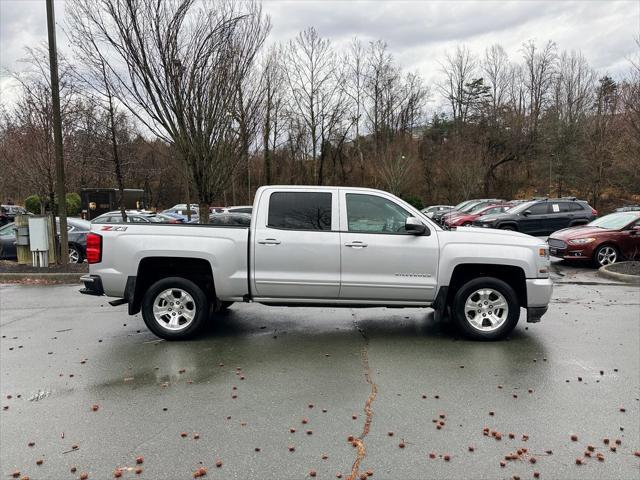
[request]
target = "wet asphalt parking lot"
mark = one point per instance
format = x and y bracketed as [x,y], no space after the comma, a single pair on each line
[276,393]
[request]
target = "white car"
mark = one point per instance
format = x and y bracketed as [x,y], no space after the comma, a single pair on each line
[337,246]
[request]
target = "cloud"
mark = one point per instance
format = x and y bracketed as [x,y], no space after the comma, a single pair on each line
[418,32]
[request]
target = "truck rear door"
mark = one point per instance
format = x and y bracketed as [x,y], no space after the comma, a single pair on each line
[296,244]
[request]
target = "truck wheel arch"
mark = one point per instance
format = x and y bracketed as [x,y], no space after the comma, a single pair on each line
[152,269]
[512,275]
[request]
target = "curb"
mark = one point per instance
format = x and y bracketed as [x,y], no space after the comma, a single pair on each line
[49,277]
[620,277]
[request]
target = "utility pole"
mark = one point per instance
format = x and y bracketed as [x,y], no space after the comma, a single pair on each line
[57,135]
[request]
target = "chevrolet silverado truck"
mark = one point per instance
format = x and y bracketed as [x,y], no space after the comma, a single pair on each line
[320,246]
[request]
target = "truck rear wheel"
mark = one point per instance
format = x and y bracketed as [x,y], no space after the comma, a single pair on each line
[485,308]
[175,308]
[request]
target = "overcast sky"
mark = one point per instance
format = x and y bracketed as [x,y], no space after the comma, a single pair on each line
[418,32]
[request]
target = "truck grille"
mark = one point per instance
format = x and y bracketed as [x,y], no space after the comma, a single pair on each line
[555,243]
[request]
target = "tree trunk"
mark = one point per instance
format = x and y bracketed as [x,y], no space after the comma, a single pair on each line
[116,160]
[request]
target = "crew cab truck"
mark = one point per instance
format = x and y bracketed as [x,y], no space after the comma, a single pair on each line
[320,246]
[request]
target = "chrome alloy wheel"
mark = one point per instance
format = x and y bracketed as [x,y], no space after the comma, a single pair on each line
[174,309]
[607,255]
[486,309]
[74,255]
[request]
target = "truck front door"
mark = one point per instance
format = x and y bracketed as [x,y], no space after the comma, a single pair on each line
[296,244]
[380,259]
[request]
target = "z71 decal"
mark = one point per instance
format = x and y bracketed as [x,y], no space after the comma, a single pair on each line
[113,228]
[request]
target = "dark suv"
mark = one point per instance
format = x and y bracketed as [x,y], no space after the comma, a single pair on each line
[541,217]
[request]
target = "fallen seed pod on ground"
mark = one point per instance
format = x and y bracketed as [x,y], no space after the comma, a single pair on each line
[201,472]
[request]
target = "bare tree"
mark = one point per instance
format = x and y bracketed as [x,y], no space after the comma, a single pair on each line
[539,71]
[355,91]
[459,70]
[496,67]
[33,113]
[272,78]
[99,79]
[177,66]
[311,76]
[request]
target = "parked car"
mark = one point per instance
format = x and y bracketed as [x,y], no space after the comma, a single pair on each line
[540,217]
[240,209]
[133,216]
[182,212]
[171,217]
[628,208]
[474,204]
[463,219]
[77,230]
[603,241]
[8,213]
[437,216]
[300,250]
[228,219]
[8,242]
[433,209]
[183,206]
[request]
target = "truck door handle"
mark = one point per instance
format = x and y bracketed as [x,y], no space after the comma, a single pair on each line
[355,244]
[269,241]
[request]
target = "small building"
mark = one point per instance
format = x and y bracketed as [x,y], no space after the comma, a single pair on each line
[96,201]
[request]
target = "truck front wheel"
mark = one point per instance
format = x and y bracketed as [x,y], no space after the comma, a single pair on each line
[485,308]
[175,308]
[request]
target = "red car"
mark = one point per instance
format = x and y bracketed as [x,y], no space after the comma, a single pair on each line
[465,219]
[605,240]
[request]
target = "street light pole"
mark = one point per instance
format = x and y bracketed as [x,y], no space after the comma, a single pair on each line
[57,134]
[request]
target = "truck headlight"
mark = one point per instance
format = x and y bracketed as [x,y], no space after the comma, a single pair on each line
[543,252]
[581,241]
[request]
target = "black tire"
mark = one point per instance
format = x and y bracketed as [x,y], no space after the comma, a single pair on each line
[507,227]
[200,305]
[466,224]
[466,290]
[601,248]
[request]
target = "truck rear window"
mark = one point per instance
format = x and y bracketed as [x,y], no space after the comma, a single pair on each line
[300,210]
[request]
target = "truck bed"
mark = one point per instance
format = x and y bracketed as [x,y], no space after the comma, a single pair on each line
[225,247]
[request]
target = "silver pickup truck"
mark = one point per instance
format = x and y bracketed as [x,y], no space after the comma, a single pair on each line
[319,246]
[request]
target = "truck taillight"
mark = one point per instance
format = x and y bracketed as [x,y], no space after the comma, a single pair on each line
[94,248]
[594,212]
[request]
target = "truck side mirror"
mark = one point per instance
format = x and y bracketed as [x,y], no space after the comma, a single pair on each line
[526,213]
[414,226]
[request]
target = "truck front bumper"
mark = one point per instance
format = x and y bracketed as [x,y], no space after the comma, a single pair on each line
[539,292]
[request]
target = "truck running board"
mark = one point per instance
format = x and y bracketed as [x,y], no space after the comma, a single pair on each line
[118,301]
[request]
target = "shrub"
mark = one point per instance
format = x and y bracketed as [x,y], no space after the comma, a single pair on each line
[73,204]
[32,204]
[415,201]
